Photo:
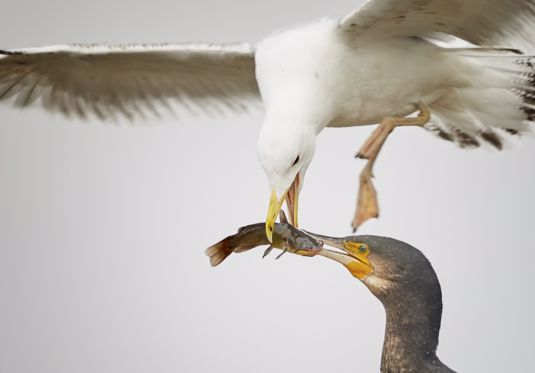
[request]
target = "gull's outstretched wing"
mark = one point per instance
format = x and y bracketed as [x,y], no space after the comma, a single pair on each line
[110,81]
[481,22]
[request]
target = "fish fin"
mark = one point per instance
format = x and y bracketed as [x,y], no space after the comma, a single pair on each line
[282,217]
[283,252]
[219,252]
[268,250]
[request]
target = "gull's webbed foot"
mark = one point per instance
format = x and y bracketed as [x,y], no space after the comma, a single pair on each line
[367,205]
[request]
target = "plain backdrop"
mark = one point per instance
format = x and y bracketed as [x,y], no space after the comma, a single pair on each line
[103,227]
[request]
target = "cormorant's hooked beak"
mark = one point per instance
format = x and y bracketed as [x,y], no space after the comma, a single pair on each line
[354,256]
[275,205]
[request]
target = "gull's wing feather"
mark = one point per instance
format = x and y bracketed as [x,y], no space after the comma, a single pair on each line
[481,22]
[110,81]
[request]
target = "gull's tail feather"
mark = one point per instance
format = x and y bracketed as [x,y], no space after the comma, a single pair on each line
[499,100]
[525,85]
[247,238]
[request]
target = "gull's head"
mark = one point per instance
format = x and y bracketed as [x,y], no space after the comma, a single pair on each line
[285,153]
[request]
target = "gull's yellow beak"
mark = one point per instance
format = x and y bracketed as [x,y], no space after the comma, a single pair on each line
[275,205]
[292,199]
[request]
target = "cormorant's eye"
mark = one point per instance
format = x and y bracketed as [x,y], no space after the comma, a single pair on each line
[296,160]
[363,249]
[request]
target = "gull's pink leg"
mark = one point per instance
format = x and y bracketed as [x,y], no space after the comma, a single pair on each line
[367,205]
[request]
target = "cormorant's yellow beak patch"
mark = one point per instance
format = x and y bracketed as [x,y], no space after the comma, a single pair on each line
[360,267]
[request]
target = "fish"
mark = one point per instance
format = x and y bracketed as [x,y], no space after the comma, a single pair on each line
[351,251]
[285,237]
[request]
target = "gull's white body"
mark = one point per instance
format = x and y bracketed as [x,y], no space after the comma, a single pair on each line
[310,74]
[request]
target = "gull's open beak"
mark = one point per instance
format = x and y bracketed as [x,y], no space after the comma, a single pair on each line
[354,258]
[275,204]
[292,200]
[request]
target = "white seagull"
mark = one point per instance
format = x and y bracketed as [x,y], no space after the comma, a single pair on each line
[380,64]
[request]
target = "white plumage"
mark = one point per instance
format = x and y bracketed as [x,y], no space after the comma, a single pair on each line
[386,59]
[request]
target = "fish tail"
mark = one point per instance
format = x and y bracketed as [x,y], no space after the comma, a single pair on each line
[219,252]
[247,238]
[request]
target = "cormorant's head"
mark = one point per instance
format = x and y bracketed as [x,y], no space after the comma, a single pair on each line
[382,264]
[402,278]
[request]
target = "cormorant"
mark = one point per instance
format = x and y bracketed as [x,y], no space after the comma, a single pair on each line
[399,275]
[403,279]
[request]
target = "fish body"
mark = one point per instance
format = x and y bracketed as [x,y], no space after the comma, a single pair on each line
[285,237]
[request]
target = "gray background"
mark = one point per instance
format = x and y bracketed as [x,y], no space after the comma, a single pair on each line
[103,227]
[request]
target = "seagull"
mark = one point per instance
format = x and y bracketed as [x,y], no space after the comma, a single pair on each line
[455,68]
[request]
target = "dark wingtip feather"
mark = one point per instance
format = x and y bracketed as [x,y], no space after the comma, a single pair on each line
[440,132]
[465,140]
[9,53]
[492,138]
[444,135]
[511,131]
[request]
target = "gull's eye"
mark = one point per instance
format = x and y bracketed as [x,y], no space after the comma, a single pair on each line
[296,160]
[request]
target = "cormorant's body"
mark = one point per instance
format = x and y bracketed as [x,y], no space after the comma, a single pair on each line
[405,282]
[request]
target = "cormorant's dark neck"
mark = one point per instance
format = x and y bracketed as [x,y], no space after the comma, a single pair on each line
[413,315]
